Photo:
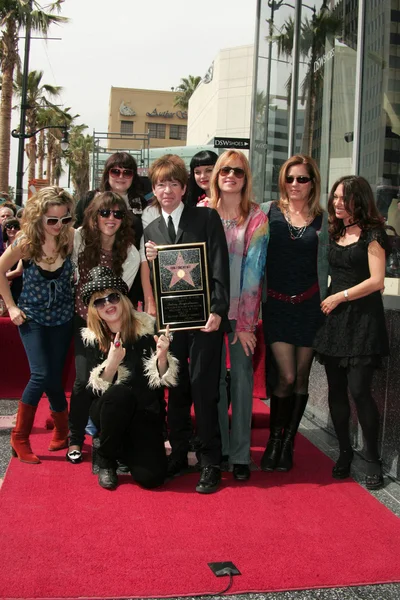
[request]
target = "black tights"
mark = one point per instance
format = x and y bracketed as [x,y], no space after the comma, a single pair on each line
[294,366]
[358,379]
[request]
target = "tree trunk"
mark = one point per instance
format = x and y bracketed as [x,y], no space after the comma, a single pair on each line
[32,158]
[41,154]
[10,46]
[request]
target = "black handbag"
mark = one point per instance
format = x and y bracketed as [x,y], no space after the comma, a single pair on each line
[393,257]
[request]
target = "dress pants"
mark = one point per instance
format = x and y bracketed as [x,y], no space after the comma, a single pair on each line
[198,382]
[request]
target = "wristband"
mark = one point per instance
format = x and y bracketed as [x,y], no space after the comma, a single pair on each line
[346,295]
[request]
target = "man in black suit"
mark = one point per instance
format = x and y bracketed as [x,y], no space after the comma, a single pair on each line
[198,379]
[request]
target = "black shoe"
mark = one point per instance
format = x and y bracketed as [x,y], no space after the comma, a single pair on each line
[342,468]
[374,476]
[108,478]
[74,456]
[177,466]
[210,480]
[271,454]
[241,472]
[285,462]
[122,467]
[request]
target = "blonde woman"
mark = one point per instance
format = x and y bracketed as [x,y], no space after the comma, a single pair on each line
[129,366]
[296,282]
[246,231]
[44,312]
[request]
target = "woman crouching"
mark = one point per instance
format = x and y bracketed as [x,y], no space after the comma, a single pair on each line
[129,366]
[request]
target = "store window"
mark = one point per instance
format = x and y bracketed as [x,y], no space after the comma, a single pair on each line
[177,132]
[126,127]
[380,115]
[156,130]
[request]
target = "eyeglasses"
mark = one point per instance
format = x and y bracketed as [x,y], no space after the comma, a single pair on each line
[52,221]
[115,173]
[301,179]
[106,212]
[112,298]
[237,171]
[10,227]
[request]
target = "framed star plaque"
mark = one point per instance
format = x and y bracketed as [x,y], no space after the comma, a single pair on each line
[181,286]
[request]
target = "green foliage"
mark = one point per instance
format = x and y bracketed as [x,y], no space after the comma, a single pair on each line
[186,89]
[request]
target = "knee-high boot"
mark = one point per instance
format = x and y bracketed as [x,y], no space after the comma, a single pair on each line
[60,433]
[286,459]
[279,410]
[20,445]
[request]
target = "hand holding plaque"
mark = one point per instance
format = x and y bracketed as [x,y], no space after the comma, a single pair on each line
[181,286]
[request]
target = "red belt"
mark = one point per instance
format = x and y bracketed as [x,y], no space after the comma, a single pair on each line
[298,298]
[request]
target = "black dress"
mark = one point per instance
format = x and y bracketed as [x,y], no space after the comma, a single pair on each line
[355,331]
[291,270]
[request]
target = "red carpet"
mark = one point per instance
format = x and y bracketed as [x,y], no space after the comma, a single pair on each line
[62,536]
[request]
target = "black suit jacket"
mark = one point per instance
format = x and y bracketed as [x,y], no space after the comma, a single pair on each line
[201,225]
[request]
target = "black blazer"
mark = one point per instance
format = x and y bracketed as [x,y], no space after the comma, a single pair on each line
[201,225]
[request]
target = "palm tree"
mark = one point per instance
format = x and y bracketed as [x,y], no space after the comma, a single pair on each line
[37,97]
[314,33]
[78,159]
[186,89]
[13,16]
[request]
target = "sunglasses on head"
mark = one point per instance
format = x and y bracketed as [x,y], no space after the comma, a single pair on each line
[116,172]
[106,212]
[55,220]
[112,298]
[300,179]
[10,226]
[237,171]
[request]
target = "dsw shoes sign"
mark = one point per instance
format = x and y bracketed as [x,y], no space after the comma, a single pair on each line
[238,143]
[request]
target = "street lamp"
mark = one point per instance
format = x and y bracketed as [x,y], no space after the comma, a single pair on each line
[64,143]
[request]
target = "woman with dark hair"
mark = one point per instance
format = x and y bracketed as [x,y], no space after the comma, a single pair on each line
[246,231]
[354,338]
[129,366]
[11,227]
[201,169]
[44,312]
[120,175]
[296,281]
[105,238]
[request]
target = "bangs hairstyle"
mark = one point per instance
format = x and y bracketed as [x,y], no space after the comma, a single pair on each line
[100,327]
[125,161]
[10,221]
[124,238]
[205,158]
[314,205]
[358,201]
[166,168]
[247,189]
[32,225]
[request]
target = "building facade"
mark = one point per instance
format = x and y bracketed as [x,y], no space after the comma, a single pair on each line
[221,104]
[135,115]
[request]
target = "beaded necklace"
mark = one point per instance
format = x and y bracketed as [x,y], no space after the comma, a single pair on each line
[296,232]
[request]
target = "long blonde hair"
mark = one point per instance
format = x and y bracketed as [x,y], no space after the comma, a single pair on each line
[247,189]
[314,205]
[32,235]
[100,328]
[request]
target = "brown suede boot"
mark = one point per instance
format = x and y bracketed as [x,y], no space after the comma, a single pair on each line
[20,446]
[60,432]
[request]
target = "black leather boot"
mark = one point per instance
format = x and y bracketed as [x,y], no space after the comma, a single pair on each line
[341,470]
[279,409]
[298,407]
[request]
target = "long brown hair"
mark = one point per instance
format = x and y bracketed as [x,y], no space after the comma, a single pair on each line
[100,328]
[247,189]
[124,238]
[358,199]
[32,235]
[314,205]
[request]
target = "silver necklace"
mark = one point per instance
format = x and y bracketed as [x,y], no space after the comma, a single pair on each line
[295,232]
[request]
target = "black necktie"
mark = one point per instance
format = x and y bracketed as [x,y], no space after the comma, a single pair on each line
[171,230]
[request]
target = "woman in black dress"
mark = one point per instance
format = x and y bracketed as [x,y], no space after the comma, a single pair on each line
[354,337]
[297,273]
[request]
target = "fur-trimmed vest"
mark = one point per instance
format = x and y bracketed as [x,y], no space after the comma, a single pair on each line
[139,368]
